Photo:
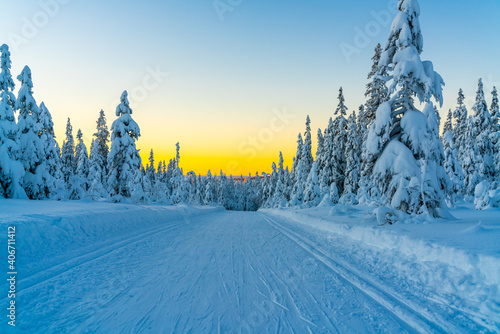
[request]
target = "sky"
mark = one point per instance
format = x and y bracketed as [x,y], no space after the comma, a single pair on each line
[231,80]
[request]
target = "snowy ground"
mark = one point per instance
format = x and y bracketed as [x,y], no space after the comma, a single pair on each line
[107,268]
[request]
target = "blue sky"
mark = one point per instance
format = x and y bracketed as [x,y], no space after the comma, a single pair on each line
[227,77]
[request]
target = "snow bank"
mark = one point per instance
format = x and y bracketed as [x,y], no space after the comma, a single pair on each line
[46,230]
[454,262]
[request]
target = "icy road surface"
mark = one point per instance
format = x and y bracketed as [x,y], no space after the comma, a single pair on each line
[223,272]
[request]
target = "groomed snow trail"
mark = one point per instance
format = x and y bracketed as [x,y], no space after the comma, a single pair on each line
[223,272]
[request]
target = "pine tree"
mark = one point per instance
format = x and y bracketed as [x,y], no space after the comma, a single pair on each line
[495,111]
[341,108]
[96,177]
[137,186]
[150,182]
[352,152]
[271,186]
[7,84]
[78,183]
[367,163]
[307,158]
[482,123]
[68,154]
[11,170]
[495,133]
[280,193]
[191,180]
[79,148]
[32,153]
[377,93]
[297,194]
[312,192]
[123,160]
[470,159]
[338,158]
[223,198]
[362,124]
[102,140]
[326,174]
[52,176]
[209,198]
[496,159]
[334,194]
[376,90]
[438,116]
[82,160]
[452,166]
[402,140]
[460,116]
[321,158]
[448,125]
[177,178]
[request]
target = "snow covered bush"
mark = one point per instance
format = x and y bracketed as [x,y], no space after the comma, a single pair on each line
[485,196]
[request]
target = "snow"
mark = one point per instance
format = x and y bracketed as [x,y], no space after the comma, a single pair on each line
[414,124]
[380,129]
[444,266]
[397,160]
[100,267]
[411,7]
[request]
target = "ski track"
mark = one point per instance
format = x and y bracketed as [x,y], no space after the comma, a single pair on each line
[225,272]
[60,268]
[417,318]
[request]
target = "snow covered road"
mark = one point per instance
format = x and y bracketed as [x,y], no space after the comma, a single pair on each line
[219,272]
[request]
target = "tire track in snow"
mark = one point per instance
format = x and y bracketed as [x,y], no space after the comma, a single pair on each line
[414,316]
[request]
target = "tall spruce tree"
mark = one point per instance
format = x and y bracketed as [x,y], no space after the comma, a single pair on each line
[280,193]
[123,160]
[402,140]
[78,183]
[97,176]
[460,115]
[307,157]
[338,149]
[11,169]
[177,178]
[32,153]
[470,159]
[82,160]
[68,154]
[376,89]
[326,172]
[448,124]
[312,192]
[52,163]
[495,111]
[353,163]
[377,93]
[297,194]
[495,133]
[482,123]
[101,141]
[453,168]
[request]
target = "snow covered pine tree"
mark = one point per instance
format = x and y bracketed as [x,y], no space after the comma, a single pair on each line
[11,170]
[402,140]
[123,160]
[32,153]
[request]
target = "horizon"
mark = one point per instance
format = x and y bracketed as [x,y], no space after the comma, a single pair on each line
[287,62]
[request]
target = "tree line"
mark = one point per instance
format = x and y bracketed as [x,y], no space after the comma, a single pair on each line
[386,153]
